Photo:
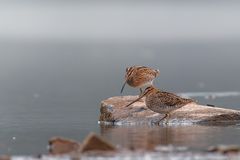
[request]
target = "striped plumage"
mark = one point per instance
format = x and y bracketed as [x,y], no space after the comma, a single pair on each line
[140,76]
[162,102]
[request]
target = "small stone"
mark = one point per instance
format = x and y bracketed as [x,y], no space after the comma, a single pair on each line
[5,157]
[225,149]
[58,145]
[95,143]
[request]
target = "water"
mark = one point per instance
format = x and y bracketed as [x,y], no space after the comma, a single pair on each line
[195,138]
[54,89]
[54,76]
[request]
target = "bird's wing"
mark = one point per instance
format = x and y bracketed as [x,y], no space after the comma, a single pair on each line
[171,99]
[145,73]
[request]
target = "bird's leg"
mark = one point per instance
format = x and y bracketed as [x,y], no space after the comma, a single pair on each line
[140,89]
[140,92]
[167,118]
[157,122]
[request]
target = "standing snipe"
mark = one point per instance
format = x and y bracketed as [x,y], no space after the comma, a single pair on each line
[162,102]
[139,77]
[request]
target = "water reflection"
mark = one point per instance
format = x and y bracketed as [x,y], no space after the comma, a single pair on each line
[147,137]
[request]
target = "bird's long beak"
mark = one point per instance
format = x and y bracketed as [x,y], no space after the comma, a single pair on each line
[141,96]
[123,86]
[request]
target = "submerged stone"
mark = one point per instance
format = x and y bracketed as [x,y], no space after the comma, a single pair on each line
[58,145]
[5,157]
[92,142]
[95,143]
[139,113]
[225,149]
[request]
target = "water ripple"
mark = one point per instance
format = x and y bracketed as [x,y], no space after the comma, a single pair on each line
[210,95]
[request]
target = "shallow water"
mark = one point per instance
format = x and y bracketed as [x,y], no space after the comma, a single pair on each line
[52,84]
[54,89]
[194,137]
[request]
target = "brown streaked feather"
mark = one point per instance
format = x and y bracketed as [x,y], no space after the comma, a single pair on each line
[163,102]
[140,76]
[171,99]
[129,72]
[141,67]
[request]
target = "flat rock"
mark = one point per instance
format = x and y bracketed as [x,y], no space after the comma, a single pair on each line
[113,110]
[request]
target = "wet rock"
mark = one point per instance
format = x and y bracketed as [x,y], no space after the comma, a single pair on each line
[5,157]
[112,110]
[95,143]
[225,149]
[92,142]
[58,145]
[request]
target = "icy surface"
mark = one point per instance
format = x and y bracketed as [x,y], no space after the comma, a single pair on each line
[144,156]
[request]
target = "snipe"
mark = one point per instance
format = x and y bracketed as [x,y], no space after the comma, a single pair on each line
[162,102]
[139,77]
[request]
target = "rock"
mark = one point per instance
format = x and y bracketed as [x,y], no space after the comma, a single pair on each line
[113,110]
[5,157]
[95,143]
[58,145]
[92,142]
[225,149]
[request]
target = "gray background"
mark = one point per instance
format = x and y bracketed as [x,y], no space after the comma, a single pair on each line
[59,59]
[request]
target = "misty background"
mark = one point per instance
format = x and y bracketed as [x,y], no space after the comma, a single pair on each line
[59,59]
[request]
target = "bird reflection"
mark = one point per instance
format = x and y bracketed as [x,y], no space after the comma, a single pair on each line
[148,137]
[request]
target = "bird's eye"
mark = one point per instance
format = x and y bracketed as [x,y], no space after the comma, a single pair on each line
[127,69]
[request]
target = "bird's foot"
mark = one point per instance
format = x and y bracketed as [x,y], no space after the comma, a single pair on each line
[140,89]
[157,121]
